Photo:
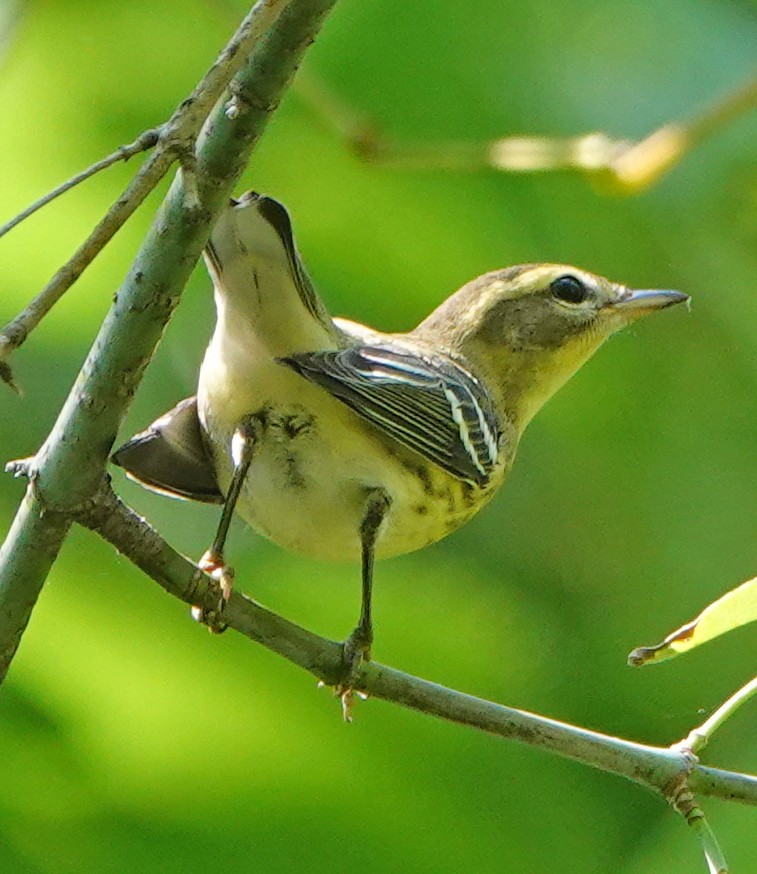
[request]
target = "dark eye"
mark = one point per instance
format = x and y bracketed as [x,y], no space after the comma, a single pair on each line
[569,289]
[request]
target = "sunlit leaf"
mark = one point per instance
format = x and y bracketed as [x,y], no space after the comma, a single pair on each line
[737,607]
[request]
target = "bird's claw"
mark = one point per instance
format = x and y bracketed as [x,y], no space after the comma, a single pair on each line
[347,697]
[214,566]
[356,652]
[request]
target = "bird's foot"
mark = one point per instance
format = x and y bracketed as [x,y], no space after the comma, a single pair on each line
[356,652]
[214,566]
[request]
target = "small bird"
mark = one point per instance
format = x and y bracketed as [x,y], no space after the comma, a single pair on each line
[341,442]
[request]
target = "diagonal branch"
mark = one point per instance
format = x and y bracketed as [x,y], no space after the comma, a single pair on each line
[68,469]
[666,771]
[16,332]
[176,140]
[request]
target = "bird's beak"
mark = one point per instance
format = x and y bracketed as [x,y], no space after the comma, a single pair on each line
[641,300]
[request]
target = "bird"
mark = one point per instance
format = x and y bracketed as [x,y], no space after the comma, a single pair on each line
[338,441]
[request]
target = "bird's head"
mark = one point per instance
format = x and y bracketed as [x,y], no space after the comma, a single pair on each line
[530,327]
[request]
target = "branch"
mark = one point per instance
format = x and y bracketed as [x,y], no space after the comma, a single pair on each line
[15,332]
[176,141]
[699,737]
[626,166]
[146,140]
[642,164]
[663,770]
[682,800]
[68,469]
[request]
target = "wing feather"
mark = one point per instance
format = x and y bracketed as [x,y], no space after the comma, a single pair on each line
[429,403]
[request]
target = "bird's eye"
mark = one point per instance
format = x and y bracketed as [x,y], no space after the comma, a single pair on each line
[569,289]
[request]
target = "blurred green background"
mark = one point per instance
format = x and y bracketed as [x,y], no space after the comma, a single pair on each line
[130,738]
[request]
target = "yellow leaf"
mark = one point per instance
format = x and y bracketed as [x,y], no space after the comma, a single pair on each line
[737,607]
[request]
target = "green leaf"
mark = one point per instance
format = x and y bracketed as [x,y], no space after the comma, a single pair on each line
[737,607]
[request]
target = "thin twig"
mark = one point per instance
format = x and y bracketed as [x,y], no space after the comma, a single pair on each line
[177,139]
[681,798]
[16,331]
[710,847]
[642,164]
[6,376]
[146,140]
[700,736]
[626,166]
[68,469]
[657,768]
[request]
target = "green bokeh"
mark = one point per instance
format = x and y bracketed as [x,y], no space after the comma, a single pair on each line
[134,741]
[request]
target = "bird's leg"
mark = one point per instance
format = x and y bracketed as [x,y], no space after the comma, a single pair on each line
[357,647]
[212,562]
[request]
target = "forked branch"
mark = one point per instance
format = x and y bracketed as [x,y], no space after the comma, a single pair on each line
[68,469]
[175,141]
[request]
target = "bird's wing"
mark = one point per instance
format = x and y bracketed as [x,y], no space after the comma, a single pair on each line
[431,404]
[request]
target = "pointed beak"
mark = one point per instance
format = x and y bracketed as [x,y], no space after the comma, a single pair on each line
[642,300]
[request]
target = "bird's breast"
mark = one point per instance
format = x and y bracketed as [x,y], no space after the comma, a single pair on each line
[315,462]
